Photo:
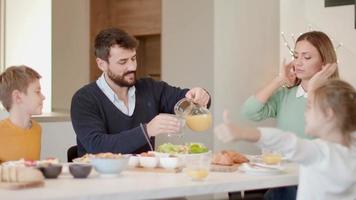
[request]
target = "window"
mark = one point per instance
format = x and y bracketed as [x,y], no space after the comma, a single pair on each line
[27,34]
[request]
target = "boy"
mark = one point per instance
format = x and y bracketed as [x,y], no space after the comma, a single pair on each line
[20,94]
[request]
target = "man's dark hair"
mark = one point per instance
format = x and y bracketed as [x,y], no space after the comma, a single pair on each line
[110,37]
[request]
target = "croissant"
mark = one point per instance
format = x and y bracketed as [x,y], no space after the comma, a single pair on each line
[236,157]
[222,159]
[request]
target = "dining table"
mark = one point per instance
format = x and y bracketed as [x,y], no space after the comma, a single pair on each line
[131,184]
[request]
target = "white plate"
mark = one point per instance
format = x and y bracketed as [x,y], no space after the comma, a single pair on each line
[259,170]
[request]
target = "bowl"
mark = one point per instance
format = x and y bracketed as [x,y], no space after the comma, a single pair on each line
[80,170]
[148,162]
[134,161]
[110,166]
[170,162]
[50,170]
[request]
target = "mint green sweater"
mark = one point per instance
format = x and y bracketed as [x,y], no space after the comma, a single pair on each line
[284,106]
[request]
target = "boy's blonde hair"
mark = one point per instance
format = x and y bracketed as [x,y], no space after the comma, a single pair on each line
[15,78]
[339,96]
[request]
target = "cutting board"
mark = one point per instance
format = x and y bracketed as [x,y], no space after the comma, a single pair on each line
[224,168]
[21,185]
[156,169]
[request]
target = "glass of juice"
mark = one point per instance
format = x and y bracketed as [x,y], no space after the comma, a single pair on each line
[198,166]
[271,157]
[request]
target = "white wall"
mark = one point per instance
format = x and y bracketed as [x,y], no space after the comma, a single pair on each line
[246,56]
[338,22]
[28,39]
[188,52]
[57,137]
[70,63]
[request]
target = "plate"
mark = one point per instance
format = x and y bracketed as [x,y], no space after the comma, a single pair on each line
[260,170]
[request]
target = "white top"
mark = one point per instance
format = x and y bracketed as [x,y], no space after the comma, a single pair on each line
[301,92]
[327,171]
[104,86]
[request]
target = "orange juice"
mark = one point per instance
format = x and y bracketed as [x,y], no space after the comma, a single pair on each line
[199,122]
[271,158]
[198,174]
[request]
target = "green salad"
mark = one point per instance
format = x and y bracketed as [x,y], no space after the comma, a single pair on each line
[190,148]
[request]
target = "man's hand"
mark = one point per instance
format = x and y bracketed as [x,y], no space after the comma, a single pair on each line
[164,123]
[322,76]
[199,96]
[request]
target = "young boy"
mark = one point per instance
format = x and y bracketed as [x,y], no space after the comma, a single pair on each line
[20,94]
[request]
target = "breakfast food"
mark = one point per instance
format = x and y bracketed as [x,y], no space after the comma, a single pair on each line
[228,158]
[19,174]
[191,148]
[86,158]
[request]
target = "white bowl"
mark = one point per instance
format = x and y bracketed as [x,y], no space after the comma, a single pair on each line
[170,162]
[109,165]
[148,162]
[134,161]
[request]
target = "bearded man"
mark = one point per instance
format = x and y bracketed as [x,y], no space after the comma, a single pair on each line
[118,113]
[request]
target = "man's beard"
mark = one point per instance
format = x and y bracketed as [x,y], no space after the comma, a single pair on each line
[120,80]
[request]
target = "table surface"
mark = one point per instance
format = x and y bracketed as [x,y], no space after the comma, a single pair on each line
[151,185]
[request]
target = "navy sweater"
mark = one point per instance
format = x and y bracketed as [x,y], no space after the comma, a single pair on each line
[102,127]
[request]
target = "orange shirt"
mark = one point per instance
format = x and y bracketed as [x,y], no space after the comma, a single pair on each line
[17,143]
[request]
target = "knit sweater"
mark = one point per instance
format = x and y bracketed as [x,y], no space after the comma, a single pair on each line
[284,106]
[102,127]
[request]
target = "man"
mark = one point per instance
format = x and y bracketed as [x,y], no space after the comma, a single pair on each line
[118,113]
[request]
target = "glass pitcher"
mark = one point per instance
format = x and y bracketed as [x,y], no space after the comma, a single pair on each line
[197,118]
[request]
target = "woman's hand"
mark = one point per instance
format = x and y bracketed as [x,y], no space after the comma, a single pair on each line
[287,75]
[322,76]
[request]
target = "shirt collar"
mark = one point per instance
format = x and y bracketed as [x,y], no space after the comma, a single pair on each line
[104,86]
[301,92]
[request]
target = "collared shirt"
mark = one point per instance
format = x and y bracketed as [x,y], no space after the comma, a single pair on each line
[301,92]
[112,96]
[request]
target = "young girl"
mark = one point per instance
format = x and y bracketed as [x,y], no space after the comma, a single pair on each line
[328,164]
[313,50]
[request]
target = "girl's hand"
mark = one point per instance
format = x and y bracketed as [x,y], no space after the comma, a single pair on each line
[225,131]
[322,76]
[287,74]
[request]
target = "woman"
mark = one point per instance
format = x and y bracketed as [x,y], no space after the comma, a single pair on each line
[284,98]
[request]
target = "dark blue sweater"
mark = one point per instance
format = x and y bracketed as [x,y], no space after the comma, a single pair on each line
[102,127]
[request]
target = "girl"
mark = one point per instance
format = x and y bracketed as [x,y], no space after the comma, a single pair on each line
[328,164]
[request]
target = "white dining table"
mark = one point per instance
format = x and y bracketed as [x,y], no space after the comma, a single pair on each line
[151,185]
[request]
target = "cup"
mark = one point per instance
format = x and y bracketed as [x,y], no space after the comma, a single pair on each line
[181,120]
[271,157]
[198,166]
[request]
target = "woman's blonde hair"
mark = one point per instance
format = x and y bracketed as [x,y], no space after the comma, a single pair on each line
[324,46]
[15,78]
[339,96]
